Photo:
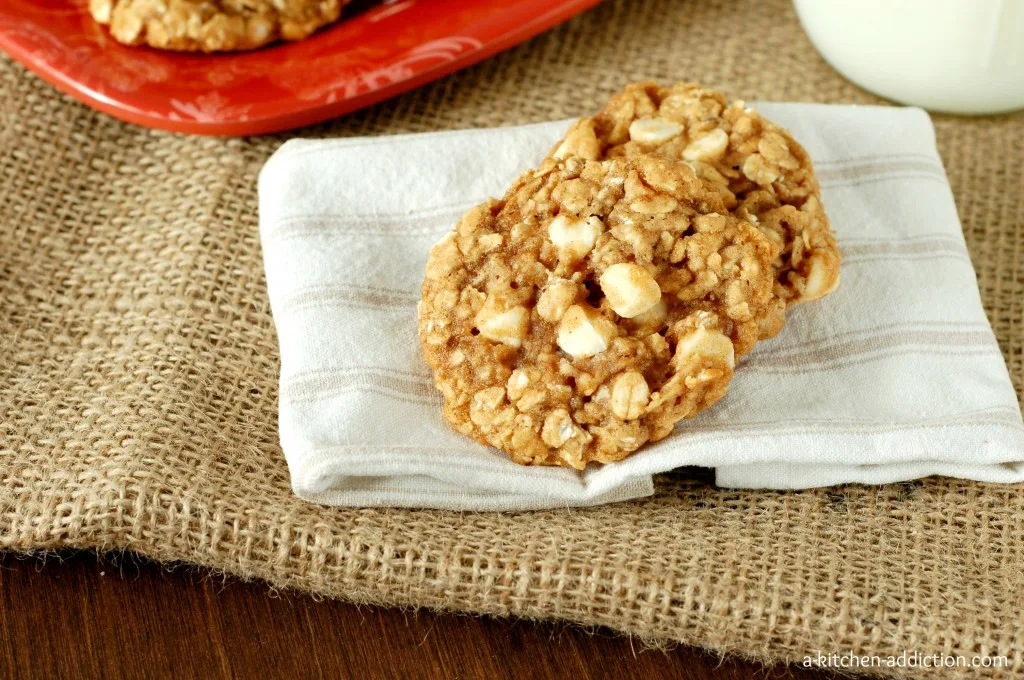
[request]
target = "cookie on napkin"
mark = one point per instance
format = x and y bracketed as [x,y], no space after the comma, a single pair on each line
[611,291]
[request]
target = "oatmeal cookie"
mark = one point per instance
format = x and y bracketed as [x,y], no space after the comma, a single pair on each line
[599,302]
[760,172]
[212,25]
[611,292]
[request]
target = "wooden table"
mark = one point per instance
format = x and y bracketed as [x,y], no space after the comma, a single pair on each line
[80,616]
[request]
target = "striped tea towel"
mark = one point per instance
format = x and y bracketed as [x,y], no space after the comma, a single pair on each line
[894,376]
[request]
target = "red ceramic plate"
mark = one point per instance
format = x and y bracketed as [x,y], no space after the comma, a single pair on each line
[369,56]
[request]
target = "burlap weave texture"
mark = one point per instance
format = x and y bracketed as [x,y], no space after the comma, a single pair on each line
[138,369]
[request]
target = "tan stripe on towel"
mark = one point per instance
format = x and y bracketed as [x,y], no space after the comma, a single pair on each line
[854,174]
[872,348]
[348,295]
[882,249]
[320,384]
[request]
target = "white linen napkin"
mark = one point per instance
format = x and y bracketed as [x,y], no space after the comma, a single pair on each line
[896,375]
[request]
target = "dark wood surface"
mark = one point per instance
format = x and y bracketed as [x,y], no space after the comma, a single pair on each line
[83,616]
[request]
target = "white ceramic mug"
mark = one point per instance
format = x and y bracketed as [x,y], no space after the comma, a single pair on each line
[956,56]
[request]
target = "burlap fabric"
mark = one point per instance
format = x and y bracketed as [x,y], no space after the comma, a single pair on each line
[138,370]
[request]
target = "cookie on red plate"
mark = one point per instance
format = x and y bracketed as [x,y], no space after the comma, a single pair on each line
[212,25]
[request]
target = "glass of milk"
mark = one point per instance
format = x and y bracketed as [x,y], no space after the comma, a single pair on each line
[954,56]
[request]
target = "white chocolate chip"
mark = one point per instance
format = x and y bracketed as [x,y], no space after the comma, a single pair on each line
[573,236]
[653,316]
[508,326]
[818,283]
[711,146]
[630,395]
[705,344]
[101,10]
[583,332]
[630,289]
[653,130]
